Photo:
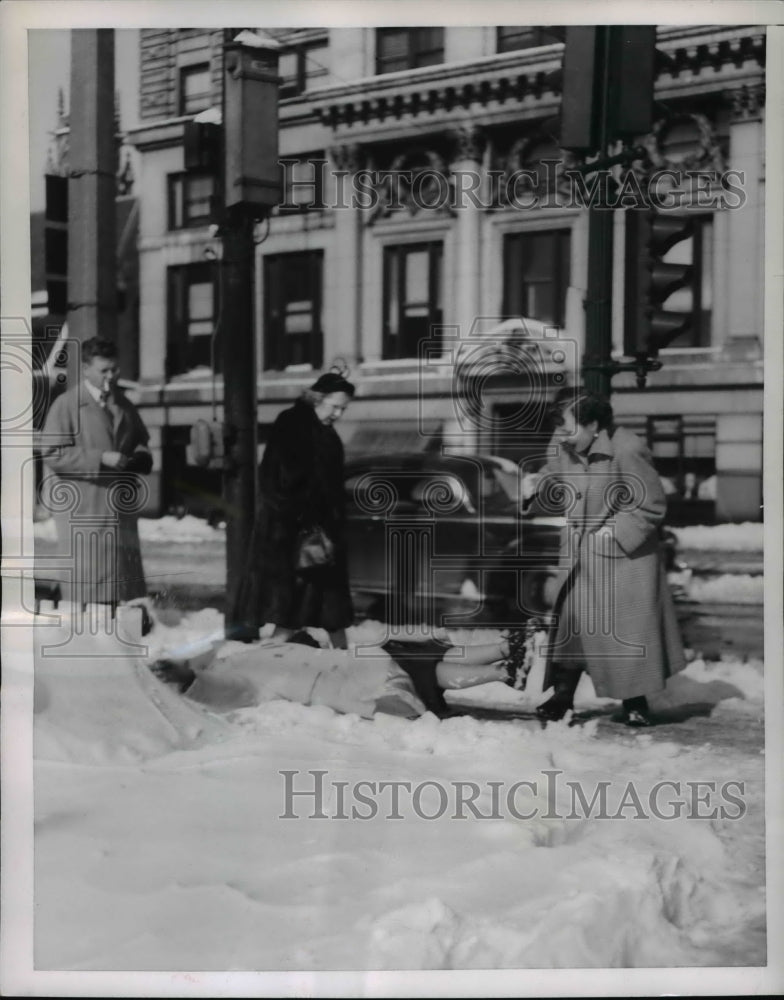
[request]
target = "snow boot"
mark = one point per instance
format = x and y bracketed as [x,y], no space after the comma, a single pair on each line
[636,712]
[565,681]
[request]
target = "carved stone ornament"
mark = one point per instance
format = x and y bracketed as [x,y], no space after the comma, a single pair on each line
[704,154]
[416,181]
[350,157]
[525,158]
[469,143]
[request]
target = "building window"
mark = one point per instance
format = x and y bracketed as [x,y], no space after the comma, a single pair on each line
[301,67]
[536,275]
[517,36]
[292,314]
[684,453]
[192,310]
[195,89]
[412,297]
[303,183]
[408,48]
[190,200]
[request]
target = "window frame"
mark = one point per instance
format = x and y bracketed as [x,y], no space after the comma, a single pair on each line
[183,178]
[276,357]
[560,279]
[413,49]
[538,33]
[318,162]
[182,98]
[302,51]
[394,347]
[181,355]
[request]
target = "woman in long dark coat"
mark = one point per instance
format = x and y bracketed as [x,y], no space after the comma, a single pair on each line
[301,487]
[614,610]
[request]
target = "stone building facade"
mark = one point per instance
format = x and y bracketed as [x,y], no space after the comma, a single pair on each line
[425,199]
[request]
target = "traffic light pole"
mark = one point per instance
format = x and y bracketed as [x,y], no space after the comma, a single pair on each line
[597,374]
[239,407]
[598,303]
[596,62]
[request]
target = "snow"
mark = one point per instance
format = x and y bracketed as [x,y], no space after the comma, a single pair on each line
[730,588]
[184,529]
[748,536]
[160,844]
[725,537]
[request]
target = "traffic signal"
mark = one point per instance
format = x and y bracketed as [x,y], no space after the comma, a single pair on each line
[56,244]
[251,173]
[652,279]
[202,146]
[608,77]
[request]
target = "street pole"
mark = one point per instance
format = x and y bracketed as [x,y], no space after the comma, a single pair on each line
[239,408]
[597,376]
[250,187]
[92,186]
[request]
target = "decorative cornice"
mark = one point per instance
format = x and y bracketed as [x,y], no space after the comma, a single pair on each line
[691,60]
[513,77]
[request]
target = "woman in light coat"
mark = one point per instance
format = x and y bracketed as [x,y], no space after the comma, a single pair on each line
[614,612]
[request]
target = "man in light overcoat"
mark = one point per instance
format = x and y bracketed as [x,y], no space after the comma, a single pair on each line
[94,446]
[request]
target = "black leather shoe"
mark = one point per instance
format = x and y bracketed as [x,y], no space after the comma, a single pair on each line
[636,713]
[303,638]
[565,683]
[636,719]
[555,708]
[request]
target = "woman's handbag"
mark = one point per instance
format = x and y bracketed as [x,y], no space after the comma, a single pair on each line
[314,549]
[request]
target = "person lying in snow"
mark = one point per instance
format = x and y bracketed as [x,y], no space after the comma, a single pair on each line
[401,678]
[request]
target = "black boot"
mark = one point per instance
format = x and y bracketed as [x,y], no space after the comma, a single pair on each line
[636,712]
[565,681]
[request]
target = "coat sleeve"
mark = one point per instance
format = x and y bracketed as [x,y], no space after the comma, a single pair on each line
[68,457]
[546,500]
[286,474]
[641,504]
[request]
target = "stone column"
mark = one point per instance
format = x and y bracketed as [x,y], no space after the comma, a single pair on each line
[343,277]
[468,178]
[466,167]
[746,224]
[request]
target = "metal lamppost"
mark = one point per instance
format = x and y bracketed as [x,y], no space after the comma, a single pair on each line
[243,152]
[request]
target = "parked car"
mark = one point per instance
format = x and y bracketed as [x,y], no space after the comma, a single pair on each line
[430,534]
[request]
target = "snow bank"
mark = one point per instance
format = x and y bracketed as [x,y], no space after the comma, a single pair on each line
[179,529]
[174,853]
[187,529]
[748,536]
[96,700]
[728,588]
[728,537]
